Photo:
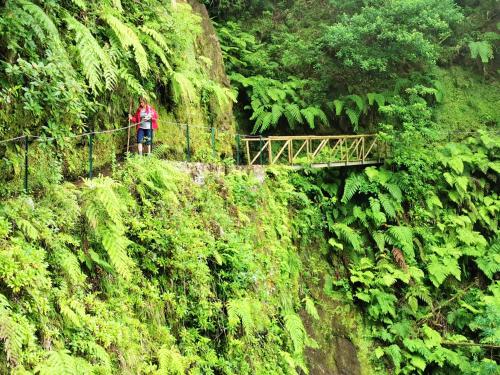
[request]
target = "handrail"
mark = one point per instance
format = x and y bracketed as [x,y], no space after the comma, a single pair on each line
[316,149]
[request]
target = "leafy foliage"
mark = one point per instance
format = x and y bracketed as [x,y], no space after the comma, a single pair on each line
[420,250]
[149,273]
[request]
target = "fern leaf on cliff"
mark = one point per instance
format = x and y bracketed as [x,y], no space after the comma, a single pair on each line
[95,61]
[128,38]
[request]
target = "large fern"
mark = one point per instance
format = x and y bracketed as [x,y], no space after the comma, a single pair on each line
[63,363]
[153,47]
[352,185]
[96,63]
[128,38]
[249,312]
[104,212]
[296,331]
[347,234]
[132,83]
[171,361]
[183,89]
[12,334]
[50,33]
[481,49]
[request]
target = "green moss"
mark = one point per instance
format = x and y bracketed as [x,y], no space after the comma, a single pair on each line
[470,103]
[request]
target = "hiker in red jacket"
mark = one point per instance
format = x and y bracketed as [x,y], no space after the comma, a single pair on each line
[146,119]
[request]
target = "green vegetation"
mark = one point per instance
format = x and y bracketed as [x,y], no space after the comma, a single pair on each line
[148,273]
[345,59]
[157,267]
[69,67]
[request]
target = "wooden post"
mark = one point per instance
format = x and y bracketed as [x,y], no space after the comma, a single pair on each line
[347,154]
[260,150]
[270,151]
[363,151]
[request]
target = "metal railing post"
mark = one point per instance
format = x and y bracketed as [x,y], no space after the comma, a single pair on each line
[237,149]
[26,166]
[212,141]
[151,140]
[91,156]
[188,146]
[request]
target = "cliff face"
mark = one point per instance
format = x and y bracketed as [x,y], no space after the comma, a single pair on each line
[208,46]
[207,51]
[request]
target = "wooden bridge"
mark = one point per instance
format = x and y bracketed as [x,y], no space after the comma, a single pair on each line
[317,151]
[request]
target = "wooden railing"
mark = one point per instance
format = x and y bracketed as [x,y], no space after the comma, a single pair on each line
[319,151]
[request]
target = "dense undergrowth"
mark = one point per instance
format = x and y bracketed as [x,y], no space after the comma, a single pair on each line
[334,65]
[420,256]
[150,273]
[147,272]
[73,67]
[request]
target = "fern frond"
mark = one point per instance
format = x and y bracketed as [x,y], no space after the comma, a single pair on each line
[388,205]
[171,361]
[94,351]
[360,103]
[157,50]
[266,121]
[403,236]
[104,210]
[353,116]
[339,105]
[352,186]
[132,83]
[378,98]
[115,244]
[296,331]
[95,61]
[394,190]
[277,112]
[117,4]
[157,37]
[311,113]
[45,22]
[128,38]
[481,49]
[378,216]
[70,266]
[379,239]
[348,234]
[62,363]
[248,311]
[80,4]
[12,334]
[293,115]
[311,308]
[182,88]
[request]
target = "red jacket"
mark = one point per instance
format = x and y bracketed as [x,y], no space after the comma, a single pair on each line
[136,119]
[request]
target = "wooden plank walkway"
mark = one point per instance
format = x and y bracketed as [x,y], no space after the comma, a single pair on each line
[317,151]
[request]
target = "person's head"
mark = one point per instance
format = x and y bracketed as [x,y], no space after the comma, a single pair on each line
[142,102]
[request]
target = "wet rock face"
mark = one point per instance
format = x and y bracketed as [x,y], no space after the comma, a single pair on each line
[208,46]
[336,355]
[339,357]
[346,359]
